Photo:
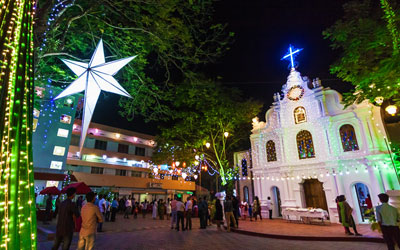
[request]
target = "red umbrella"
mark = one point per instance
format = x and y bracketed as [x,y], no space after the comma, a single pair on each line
[51,190]
[81,188]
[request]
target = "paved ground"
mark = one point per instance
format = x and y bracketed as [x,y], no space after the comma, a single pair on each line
[156,234]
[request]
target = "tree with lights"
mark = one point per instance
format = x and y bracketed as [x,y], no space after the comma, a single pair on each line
[171,38]
[368,38]
[210,123]
[17,204]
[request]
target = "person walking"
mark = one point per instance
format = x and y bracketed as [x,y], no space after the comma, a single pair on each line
[155,208]
[180,208]
[228,206]
[108,210]
[174,215]
[90,217]
[269,207]
[65,223]
[102,208]
[256,208]
[219,216]
[388,218]
[128,207]
[144,208]
[79,203]
[251,212]
[235,204]
[188,209]
[345,216]
[161,209]
[202,213]
[243,210]
[58,202]
[168,208]
[49,207]
[114,208]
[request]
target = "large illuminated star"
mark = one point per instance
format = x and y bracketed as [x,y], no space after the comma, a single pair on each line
[93,77]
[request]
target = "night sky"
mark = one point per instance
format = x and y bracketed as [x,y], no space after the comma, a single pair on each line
[263,31]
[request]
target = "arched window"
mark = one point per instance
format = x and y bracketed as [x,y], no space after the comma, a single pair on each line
[271,152]
[348,138]
[305,145]
[244,167]
[246,193]
[299,115]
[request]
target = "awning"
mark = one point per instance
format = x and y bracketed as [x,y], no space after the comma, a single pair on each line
[51,176]
[116,181]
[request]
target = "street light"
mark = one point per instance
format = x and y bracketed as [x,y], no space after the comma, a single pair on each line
[391,109]
[226,134]
[208,145]
[177,163]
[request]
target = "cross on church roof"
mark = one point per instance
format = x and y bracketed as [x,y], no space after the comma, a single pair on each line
[292,53]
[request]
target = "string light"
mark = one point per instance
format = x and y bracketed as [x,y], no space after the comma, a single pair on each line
[17,211]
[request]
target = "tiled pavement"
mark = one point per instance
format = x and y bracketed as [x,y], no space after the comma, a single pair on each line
[156,234]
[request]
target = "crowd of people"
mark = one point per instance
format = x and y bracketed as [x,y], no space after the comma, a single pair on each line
[86,216]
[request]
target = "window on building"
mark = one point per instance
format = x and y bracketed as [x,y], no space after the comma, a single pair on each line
[244,167]
[123,148]
[36,113]
[300,115]
[65,119]
[348,138]
[56,164]
[271,151]
[63,132]
[162,176]
[74,140]
[140,151]
[59,151]
[99,144]
[175,177]
[121,172]
[305,145]
[35,123]
[136,174]
[96,170]
[68,102]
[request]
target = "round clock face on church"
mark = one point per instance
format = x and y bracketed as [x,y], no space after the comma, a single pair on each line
[295,93]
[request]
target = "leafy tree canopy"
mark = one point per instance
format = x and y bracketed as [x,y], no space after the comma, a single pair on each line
[367,39]
[171,39]
[205,110]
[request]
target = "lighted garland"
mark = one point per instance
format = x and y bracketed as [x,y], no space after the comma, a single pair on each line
[17,204]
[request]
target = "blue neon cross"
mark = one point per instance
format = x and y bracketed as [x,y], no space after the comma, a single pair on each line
[291,54]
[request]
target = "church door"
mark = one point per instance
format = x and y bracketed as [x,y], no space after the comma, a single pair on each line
[314,194]
[276,201]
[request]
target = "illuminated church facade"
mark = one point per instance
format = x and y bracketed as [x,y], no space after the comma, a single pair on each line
[312,149]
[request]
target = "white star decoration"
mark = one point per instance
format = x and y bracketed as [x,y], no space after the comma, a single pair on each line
[93,77]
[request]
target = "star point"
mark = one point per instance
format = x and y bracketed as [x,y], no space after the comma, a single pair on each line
[93,77]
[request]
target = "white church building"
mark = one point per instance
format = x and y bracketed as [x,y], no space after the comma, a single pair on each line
[312,149]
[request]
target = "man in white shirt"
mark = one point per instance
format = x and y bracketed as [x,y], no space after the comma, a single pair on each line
[188,209]
[128,207]
[180,208]
[388,218]
[102,208]
[269,207]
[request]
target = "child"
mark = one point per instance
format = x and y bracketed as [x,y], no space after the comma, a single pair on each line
[250,212]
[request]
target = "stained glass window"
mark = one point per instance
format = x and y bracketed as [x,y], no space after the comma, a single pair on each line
[348,138]
[271,152]
[300,115]
[244,167]
[305,145]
